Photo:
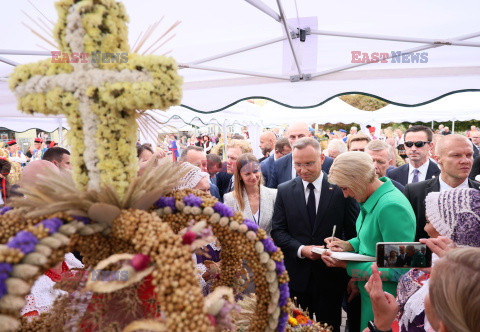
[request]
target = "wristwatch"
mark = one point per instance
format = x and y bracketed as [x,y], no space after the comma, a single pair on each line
[373,328]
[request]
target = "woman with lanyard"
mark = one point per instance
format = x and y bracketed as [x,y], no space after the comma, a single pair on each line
[249,196]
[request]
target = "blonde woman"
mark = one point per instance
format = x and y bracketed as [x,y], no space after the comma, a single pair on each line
[249,196]
[386,216]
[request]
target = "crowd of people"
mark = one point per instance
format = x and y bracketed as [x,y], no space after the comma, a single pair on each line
[395,186]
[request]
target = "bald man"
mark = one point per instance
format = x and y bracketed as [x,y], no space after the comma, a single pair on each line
[455,158]
[267,144]
[283,169]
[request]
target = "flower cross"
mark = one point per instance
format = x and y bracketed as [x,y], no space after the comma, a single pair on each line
[99,98]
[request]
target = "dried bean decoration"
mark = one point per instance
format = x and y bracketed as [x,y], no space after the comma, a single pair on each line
[240,239]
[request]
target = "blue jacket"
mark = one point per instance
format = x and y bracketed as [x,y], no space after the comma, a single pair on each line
[267,169]
[400,174]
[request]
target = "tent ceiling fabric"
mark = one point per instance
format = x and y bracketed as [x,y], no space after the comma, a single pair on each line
[218,26]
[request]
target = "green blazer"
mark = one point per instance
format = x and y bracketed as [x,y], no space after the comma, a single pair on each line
[386,216]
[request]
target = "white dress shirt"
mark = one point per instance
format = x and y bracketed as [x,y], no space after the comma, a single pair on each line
[444,186]
[317,191]
[422,171]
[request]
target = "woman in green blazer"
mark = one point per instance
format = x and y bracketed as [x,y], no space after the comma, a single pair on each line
[385,216]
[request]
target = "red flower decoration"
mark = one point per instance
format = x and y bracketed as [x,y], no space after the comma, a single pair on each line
[297,312]
[301,319]
[189,237]
[140,262]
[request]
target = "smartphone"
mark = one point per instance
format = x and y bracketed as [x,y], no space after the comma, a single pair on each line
[403,255]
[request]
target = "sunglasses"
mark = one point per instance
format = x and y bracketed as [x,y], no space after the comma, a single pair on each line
[418,144]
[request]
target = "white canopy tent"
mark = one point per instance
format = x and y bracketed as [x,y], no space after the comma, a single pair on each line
[447,30]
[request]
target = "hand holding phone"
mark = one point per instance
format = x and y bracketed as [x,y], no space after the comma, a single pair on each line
[403,255]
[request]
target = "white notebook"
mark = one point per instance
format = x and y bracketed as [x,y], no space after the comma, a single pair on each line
[346,256]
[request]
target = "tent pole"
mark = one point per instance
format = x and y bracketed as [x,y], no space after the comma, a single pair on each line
[269,11]
[234,71]
[9,62]
[284,22]
[412,50]
[240,50]
[453,126]
[396,38]
[225,141]
[432,125]
[20,52]
[60,132]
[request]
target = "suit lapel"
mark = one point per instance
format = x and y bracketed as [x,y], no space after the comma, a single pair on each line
[299,197]
[432,170]
[325,196]
[247,211]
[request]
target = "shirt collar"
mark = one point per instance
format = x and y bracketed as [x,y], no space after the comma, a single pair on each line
[372,201]
[445,186]
[317,183]
[422,169]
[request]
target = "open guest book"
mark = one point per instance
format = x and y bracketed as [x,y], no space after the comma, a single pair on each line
[346,256]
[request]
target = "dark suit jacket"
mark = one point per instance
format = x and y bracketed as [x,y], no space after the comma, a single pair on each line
[267,169]
[475,151]
[291,228]
[282,170]
[416,194]
[223,180]
[400,174]
[262,159]
[475,168]
[398,185]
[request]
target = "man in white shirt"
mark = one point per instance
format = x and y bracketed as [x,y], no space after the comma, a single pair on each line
[455,158]
[418,143]
[306,210]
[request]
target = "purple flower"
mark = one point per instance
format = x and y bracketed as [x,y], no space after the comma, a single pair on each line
[269,245]
[223,210]
[23,240]
[164,202]
[284,294]
[192,200]
[251,225]
[53,224]
[3,288]
[5,270]
[85,220]
[280,267]
[5,209]
[282,322]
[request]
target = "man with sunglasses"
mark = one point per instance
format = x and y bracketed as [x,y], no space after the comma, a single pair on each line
[418,143]
[455,157]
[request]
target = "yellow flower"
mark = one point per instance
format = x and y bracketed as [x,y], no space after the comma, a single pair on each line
[292,321]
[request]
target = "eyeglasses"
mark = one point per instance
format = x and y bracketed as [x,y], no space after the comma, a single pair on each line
[418,144]
[306,165]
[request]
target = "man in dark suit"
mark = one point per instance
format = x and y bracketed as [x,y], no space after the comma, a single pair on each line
[282,148]
[267,144]
[475,137]
[418,143]
[194,155]
[455,158]
[306,210]
[225,179]
[382,155]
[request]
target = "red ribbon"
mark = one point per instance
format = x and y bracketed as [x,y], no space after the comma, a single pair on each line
[173,153]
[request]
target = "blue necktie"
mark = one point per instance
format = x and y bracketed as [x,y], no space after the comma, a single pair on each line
[312,212]
[415,175]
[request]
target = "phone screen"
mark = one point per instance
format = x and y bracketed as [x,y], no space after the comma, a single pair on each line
[403,255]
